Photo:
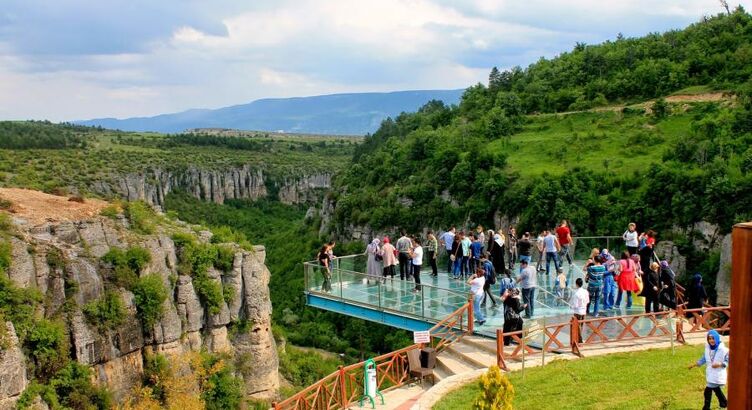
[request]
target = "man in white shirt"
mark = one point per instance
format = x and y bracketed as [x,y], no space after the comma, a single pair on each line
[528,281]
[579,301]
[476,282]
[417,259]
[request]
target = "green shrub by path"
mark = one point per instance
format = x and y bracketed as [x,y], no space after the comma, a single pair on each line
[148,295]
[652,379]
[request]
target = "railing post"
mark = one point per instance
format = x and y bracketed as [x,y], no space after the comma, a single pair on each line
[342,392]
[500,350]
[275,406]
[574,335]
[680,324]
[470,315]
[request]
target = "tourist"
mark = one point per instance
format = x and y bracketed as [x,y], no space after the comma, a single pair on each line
[591,260]
[490,275]
[564,235]
[630,238]
[651,287]
[432,247]
[561,284]
[541,251]
[496,249]
[388,258]
[609,283]
[403,247]
[525,247]
[513,255]
[325,262]
[512,308]
[626,279]
[647,251]
[579,302]
[476,251]
[456,257]
[716,360]
[667,296]
[446,240]
[552,247]
[416,257]
[696,295]
[330,252]
[373,264]
[481,237]
[594,280]
[528,281]
[465,242]
[476,283]
[506,284]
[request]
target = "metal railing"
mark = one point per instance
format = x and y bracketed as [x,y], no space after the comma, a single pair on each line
[345,283]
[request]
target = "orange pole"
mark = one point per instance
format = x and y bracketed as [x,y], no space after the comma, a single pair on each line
[343,394]
[740,346]
[470,315]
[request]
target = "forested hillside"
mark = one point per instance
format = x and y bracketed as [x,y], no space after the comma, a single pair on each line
[667,163]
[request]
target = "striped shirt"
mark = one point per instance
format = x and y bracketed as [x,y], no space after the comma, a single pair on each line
[595,276]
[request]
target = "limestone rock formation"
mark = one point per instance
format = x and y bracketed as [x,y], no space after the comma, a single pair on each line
[723,280]
[117,355]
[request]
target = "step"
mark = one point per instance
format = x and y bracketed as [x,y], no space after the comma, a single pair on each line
[451,364]
[479,342]
[470,354]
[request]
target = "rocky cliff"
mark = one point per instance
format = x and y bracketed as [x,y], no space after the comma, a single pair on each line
[242,182]
[117,355]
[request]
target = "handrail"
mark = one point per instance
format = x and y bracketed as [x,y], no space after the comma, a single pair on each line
[700,320]
[342,387]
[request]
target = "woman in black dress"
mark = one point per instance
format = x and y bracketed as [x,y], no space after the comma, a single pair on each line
[668,284]
[651,287]
[512,319]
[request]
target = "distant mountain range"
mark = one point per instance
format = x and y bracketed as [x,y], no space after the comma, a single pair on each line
[341,114]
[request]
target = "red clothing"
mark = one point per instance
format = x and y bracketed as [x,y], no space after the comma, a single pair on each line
[650,242]
[626,279]
[563,233]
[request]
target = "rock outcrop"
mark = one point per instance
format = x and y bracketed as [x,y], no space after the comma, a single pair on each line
[13,379]
[117,355]
[242,182]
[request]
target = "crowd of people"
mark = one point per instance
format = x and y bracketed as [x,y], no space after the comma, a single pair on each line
[480,257]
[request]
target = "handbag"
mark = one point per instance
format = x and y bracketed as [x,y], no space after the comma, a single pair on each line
[453,257]
[638,282]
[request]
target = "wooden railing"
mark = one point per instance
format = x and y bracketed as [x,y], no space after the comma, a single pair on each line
[345,386]
[551,338]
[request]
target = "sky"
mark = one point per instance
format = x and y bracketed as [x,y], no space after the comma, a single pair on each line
[65,60]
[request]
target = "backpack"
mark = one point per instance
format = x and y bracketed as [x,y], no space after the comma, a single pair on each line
[506,284]
[490,273]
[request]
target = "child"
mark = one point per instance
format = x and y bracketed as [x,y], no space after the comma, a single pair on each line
[715,360]
[561,281]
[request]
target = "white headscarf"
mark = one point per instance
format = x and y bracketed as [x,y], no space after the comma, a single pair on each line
[374,246]
[498,239]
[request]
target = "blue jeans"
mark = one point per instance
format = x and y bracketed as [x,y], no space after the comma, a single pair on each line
[477,299]
[609,291]
[629,298]
[595,295]
[549,257]
[528,296]
[524,258]
[457,267]
[565,252]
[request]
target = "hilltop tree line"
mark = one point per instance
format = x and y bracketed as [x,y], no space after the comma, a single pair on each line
[42,135]
[716,52]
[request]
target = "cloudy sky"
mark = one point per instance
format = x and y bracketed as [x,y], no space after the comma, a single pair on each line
[79,59]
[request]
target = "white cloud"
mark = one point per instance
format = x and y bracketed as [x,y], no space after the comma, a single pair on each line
[198,54]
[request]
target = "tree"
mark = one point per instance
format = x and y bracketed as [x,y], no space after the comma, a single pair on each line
[494,80]
[496,391]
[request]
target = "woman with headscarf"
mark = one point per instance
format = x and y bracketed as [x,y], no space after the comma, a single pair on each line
[716,360]
[652,285]
[388,258]
[609,283]
[373,264]
[496,249]
[512,307]
[696,294]
[667,296]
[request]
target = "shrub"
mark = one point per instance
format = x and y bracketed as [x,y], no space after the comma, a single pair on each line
[74,389]
[156,373]
[6,224]
[110,211]
[182,239]
[47,344]
[127,264]
[77,198]
[137,258]
[141,217]
[18,305]
[209,292]
[225,258]
[496,391]
[6,253]
[6,204]
[107,313]
[148,295]
[220,389]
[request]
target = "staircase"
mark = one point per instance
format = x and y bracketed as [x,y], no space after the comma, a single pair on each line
[468,354]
